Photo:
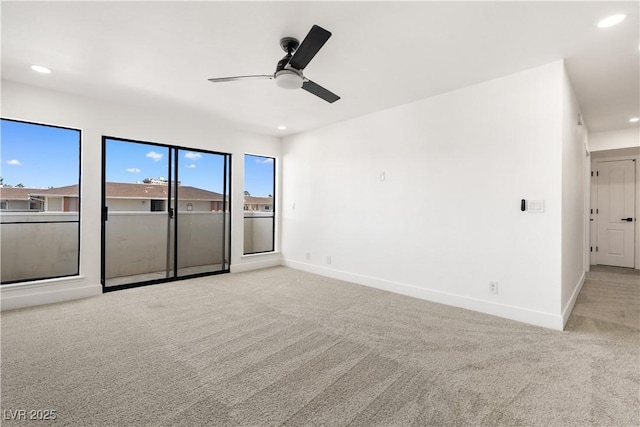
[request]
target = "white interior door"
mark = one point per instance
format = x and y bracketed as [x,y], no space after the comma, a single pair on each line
[616,213]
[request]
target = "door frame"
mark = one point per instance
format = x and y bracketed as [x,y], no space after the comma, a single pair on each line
[227,229]
[610,156]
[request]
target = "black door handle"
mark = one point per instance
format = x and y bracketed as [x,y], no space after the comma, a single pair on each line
[627,219]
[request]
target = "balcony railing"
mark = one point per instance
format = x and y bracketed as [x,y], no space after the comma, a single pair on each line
[44,245]
[258,232]
[38,245]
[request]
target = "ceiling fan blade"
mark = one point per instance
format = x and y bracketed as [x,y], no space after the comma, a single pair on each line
[311,44]
[231,79]
[319,91]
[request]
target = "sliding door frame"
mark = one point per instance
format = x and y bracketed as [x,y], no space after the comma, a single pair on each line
[172,214]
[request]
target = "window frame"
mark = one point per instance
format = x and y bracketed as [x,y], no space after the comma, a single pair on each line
[79,207]
[272,212]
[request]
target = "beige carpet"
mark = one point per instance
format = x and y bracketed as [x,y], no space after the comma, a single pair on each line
[283,347]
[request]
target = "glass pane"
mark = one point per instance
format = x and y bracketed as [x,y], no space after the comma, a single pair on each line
[40,200]
[259,206]
[258,232]
[203,212]
[138,229]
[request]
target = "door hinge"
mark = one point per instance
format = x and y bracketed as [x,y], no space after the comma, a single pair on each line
[596,249]
[591,173]
[591,249]
[597,173]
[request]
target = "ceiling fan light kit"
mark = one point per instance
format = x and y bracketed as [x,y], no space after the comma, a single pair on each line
[289,79]
[288,74]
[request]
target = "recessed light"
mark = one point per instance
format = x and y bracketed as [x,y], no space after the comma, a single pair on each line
[612,20]
[41,69]
[282,127]
[634,119]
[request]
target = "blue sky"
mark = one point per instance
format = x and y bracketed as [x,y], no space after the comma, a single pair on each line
[43,156]
[258,175]
[38,156]
[133,162]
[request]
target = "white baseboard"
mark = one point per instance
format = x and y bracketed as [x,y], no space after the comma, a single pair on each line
[519,314]
[249,264]
[568,308]
[46,292]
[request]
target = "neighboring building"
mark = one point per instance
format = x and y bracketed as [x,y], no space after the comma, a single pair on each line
[60,199]
[18,199]
[153,198]
[120,197]
[258,204]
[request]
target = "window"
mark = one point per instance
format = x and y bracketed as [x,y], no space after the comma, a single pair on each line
[259,204]
[157,206]
[40,234]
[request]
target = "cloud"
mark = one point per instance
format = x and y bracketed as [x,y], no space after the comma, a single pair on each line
[192,156]
[191,166]
[156,157]
[264,161]
[14,162]
[133,170]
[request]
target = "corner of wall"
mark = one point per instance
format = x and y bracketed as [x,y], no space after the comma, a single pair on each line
[568,308]
[575,193]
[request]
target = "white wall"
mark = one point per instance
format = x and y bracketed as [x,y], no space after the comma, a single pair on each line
[196,205]
[624,138]
[54,204]
[446,220]
[171,125]
[574,192]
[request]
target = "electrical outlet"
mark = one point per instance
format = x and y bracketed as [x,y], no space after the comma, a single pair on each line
[493,287]
[328,259]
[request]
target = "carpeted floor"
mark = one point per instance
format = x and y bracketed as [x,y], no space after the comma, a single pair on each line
[283,347]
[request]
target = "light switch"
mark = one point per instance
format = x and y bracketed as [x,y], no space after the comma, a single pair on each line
[535,206]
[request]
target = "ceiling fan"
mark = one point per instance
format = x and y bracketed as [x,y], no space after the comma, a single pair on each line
[288,73]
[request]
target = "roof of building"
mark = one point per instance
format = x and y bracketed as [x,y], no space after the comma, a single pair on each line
[17,193]
[114,190]
[158,191]
[257,200]
[129,191]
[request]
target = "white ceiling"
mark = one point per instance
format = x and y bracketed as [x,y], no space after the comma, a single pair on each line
[382,54]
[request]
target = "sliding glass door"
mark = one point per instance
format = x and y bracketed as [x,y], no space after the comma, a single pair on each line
[202,218]
[165,213]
